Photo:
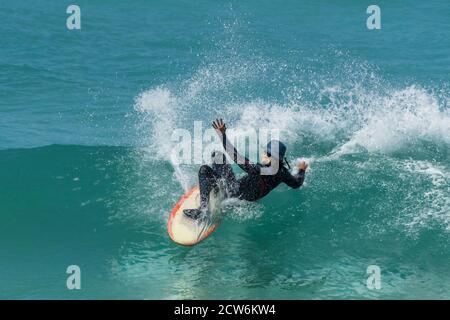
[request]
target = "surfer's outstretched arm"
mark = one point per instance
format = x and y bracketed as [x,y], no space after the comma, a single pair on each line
[294,180]
[240,160]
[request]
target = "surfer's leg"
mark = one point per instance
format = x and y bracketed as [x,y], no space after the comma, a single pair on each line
[207,180]
[224,172]
[219,163]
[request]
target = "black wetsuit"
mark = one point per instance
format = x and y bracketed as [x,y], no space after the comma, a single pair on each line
[258,182]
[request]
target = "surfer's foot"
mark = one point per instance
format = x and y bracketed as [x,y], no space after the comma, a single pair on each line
[193,213]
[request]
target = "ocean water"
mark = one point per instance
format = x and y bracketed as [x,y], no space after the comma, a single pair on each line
[87,177]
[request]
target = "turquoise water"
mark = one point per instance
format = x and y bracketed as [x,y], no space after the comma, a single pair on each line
[87,179]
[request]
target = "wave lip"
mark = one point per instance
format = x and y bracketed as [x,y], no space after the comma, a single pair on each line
[400,120]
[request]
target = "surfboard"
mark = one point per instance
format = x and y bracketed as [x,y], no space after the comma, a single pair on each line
[188,232]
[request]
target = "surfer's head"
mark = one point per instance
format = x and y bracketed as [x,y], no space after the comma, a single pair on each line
[276,150]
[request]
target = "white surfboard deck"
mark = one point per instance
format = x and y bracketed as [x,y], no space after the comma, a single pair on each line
[188,232]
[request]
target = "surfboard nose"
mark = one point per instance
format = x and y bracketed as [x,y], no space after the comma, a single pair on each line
[187,231]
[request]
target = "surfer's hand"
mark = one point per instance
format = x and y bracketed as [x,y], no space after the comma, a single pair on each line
[219,125]
[302,165]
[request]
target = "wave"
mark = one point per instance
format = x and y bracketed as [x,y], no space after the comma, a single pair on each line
[348,118]
[347,115]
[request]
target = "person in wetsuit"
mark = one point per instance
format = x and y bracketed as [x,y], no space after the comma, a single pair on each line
[260,178]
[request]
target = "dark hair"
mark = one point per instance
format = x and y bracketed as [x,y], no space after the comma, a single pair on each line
[283,161]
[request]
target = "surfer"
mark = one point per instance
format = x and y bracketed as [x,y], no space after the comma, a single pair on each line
[261,178]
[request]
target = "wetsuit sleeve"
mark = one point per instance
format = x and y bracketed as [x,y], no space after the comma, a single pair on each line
[294,180]
[240,160]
